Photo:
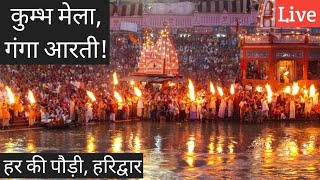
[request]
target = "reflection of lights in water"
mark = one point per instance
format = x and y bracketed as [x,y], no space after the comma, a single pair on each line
[231,148]
[211,145]
[293,148]
[190,154]
[220,144]
[9,147]
[290,148]
[158,144]
[258,146]
[308,148]
[30,148]
[137,144]
[117,144]
[191,145]
[268,149]
[91,147]
[211,151]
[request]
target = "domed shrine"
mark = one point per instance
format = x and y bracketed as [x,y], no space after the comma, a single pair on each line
[279,56]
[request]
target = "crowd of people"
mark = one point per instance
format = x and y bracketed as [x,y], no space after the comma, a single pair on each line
[198,55]
[61,90]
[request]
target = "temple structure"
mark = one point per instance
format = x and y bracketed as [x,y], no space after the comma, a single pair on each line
[279,56]
[159,61]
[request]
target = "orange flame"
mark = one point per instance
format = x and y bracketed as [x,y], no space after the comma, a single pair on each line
[115,79]
[287,90]
[259,89]
[118,97]
[295,89]
[269,91]
[91,96]
[137,92]
[10,95]
[31,97]
[191,91]
[220,91]
[132,82]
[312,90]
[232,89]
[212,90]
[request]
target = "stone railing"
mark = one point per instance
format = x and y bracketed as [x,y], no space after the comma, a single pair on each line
[184,21]
[288,39]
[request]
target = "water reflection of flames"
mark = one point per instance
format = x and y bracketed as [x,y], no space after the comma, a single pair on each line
[91,146]
[190,154]
[9,147]
[30,148]
[220,144]
[117,144]
[308,148]
[268,149]
[211,145]
[137,144]
[211,151]
[289,148]
[231,148]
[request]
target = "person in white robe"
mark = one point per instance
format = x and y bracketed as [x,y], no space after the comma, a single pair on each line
[316,99]
[308,108]
[89,113]
[230,107]
[193,110]
[292,109]
[71,109]
[213,105]
[140,107]
[222,108]
[265,107]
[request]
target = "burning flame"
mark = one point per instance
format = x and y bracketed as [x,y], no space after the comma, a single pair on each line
[91,96]
[118,97]
[220,91]
[171,84]
[232,89]
[10,95]
[191,91]
[295,89]
[115,79]
[132,83]
[137,92]
[312,90]
[286,73]
[31,97]
[287,90]
[259,89]
[269,91]
[212,90]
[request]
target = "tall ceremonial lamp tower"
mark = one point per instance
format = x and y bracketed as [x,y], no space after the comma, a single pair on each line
[167,51]
[161,58]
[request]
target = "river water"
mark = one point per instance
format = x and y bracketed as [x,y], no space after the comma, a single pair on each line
[190,150]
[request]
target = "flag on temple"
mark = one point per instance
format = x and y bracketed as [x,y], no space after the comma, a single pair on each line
[133,39]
